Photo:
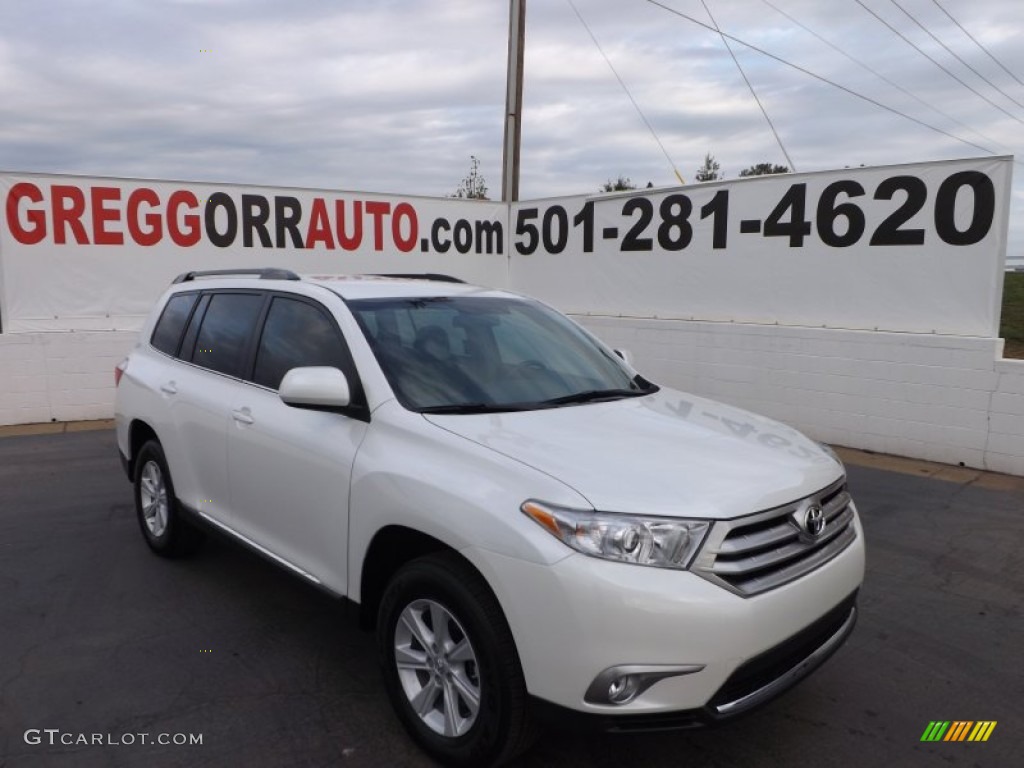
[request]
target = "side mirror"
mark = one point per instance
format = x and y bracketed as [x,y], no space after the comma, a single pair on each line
[626,356]
[315,387]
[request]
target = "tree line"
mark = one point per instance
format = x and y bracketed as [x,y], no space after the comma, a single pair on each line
[474,187]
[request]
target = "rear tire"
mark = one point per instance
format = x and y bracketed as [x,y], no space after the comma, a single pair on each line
[450,664]
[157,509]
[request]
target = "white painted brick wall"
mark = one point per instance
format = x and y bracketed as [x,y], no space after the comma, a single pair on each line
[941,398]
[59,376]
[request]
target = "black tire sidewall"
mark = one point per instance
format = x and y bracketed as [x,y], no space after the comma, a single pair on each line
[486,740]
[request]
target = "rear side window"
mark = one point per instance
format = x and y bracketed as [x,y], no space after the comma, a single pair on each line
[228,325]
[169,327]
[296,334]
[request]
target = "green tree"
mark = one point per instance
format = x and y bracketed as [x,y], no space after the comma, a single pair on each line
[710,170]
[473,186]
[764,169]
[621,184]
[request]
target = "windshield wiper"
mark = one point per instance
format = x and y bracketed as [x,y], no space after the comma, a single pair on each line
[593,395]
[473,408]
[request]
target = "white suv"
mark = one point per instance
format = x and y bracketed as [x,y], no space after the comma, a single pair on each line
[534,529]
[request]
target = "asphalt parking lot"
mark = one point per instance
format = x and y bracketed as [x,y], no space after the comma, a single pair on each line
[98,636]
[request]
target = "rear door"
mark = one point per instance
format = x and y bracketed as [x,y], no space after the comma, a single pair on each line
[199,391]
[290,468]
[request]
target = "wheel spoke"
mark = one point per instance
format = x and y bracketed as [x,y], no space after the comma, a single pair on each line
[469,693]
[462,652]
[423,702]
[407,658]
[439,621]
[451,710]
[413,621]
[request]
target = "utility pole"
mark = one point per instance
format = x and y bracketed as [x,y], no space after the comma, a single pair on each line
[513,102]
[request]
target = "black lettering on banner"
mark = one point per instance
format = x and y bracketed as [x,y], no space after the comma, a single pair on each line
[797,228]
[718,207]
[439,226]
[633,240]
[586,218]
[828,212]
[489,234]
[287,215]
[675,232]
[555,242]
[463,236]
[984,208]
[255,214]
[227,237]
[524,227]
[890,231]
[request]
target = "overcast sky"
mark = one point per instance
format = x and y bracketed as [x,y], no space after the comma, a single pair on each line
[395,95]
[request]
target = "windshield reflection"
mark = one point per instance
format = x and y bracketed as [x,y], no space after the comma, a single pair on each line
[476,354]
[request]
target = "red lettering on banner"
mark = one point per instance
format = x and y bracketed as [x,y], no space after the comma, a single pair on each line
[378,210]
[68,215]
[319,226]
[152,220]
[344,241]
[190,234]
[101,215]
[404,210]
[36,218]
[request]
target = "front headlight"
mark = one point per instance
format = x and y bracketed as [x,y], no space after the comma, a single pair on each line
[662,542]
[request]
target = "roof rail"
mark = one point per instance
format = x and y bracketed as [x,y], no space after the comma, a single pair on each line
[425,276]
[266,273]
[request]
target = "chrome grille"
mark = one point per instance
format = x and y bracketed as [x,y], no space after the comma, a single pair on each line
[753,554]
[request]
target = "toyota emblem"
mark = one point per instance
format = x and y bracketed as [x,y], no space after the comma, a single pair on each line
[814,520]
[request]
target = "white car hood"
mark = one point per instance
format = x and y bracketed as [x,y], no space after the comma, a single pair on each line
[668,453]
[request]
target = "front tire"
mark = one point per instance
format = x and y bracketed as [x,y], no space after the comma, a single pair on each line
[156,506]
[450,664]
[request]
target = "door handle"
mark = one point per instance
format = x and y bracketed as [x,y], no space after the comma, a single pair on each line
[170,388]
[244,416]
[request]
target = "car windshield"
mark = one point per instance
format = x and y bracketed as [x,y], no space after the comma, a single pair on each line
[478,354]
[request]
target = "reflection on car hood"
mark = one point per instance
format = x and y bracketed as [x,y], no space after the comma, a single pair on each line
[668,453]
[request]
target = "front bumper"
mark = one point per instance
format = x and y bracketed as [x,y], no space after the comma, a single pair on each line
[753,684]
[580,616]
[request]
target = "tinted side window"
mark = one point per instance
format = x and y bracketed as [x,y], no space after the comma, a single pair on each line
[192,330]
[296,334]
[227,327]
[168,329]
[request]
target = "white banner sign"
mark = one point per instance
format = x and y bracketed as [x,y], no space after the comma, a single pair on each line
[916,248]
[94,253]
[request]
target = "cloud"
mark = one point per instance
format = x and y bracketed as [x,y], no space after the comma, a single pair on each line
[396,95]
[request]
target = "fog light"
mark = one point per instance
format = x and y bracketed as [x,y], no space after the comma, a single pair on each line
[623,689]
[620,685]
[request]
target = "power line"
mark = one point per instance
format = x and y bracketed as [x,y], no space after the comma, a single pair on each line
[983,48]
[626,89]
[878,74]
[954,54]
[917,48]
[753,93]
[834,84]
